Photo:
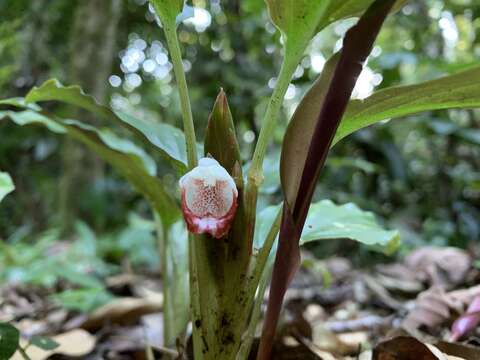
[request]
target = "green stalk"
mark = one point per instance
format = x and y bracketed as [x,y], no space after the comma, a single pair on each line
[287,69]
[255,173]
[170,29]
[168,321]
[249,334]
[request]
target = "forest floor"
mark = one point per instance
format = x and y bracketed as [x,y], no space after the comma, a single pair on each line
[401,310]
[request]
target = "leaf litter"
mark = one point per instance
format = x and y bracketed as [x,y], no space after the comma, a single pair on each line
[333,311]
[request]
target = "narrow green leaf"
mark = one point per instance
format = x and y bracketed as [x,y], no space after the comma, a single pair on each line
[166,138]
[19,102]
[112,141]
[130,165]
[325,220]
[53,90]
[9,339]
[6,185]
[177,254]
[339,10]
[131,161]
[30,117]
[460,90]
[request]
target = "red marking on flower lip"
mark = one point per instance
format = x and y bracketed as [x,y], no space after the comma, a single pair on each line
[208,223]
[209,198]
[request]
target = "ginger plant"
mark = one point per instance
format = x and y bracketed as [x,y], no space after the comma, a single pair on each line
[215,275]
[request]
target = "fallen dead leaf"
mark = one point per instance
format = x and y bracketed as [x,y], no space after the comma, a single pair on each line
[432,308]
[123,311]
[409,348]
[345,344]
[381,294]
[441,266]
[74,343]
[461,351]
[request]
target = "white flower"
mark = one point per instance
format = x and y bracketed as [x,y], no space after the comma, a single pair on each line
[209,198]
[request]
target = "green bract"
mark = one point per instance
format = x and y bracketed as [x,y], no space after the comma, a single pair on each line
[297,19]
[168,9]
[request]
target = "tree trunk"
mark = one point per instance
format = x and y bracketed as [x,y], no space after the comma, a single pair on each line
[93,46]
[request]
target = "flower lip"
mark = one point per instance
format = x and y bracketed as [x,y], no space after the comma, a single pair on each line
[209,198]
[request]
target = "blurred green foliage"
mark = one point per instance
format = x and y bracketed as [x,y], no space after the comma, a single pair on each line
[420,175]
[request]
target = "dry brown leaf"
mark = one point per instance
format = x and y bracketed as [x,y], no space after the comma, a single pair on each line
[74,343]
[123,310]
[444,267]
[440,266]
[381,294]
[401,284]
[409,348]
[432,308]
[465,296]
[345,344]
[461,351]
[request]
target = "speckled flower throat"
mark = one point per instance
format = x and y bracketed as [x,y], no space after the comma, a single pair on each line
[209,198]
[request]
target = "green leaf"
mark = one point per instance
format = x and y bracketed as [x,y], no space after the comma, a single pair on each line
[9,339]
[53,90]
[300,20]
[112,141]
[76,277]
[129,160]
[30,117]
[271,182]
[460,90]
[297,19]
[177,253]
[6,185]
[166,138]
[83,300]
[43,342]
[19,102]
[326,220]
[167,10]
[338,10]
[263,224]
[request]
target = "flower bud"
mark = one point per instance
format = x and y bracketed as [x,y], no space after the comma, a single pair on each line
[209,198]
